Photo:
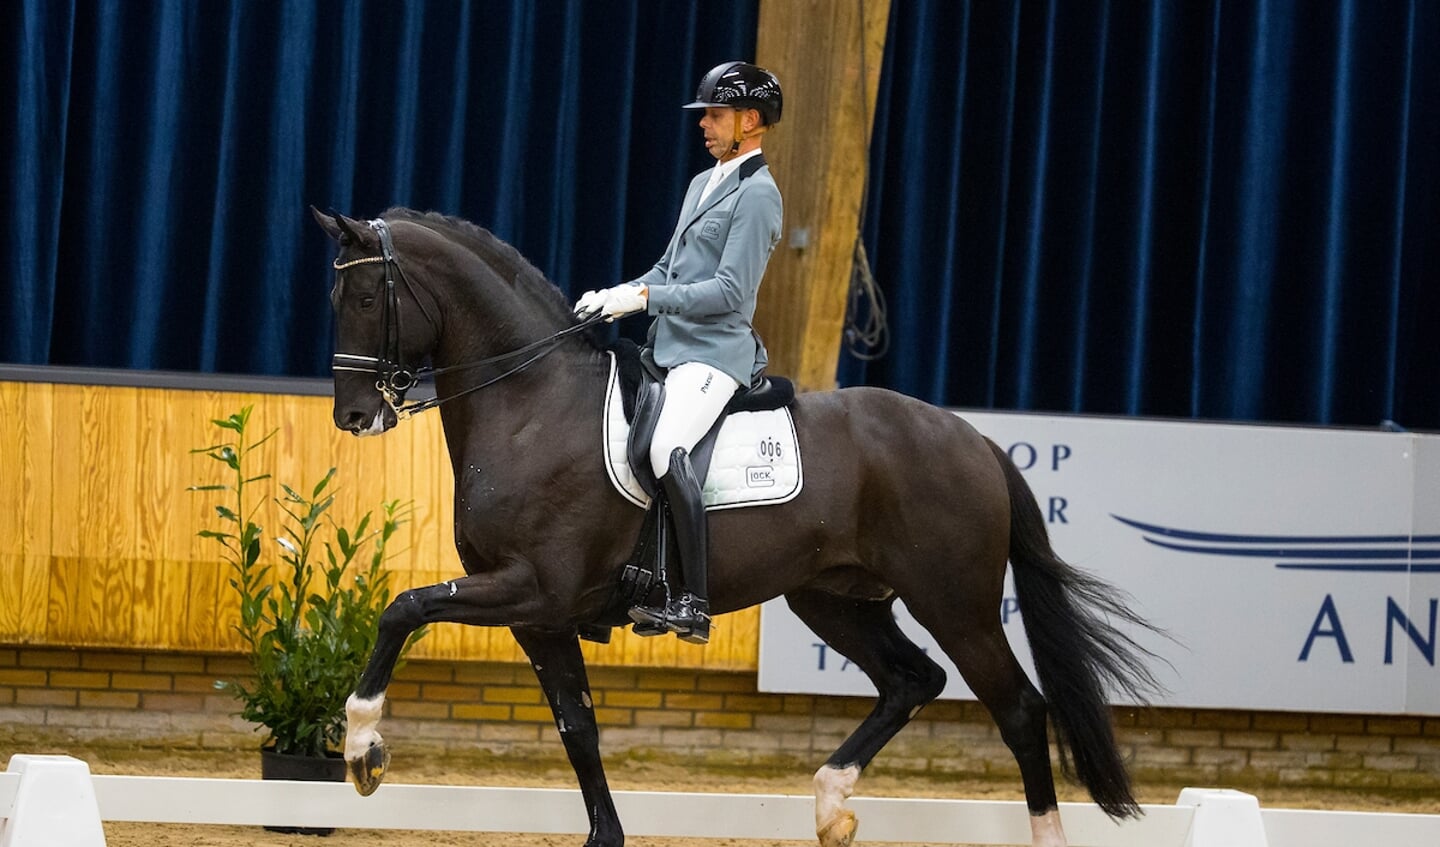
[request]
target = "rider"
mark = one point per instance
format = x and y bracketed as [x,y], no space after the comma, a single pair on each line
[702,293]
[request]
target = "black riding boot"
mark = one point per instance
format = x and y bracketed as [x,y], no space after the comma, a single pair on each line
[689,614]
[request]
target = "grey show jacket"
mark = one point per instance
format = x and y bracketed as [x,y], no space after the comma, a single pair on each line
[703,290]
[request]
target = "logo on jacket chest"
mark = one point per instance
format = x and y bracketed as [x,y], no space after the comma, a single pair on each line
[710,229]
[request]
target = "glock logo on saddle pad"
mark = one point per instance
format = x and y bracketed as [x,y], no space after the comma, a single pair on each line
[761,477]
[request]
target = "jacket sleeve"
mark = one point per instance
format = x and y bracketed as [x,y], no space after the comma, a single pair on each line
[754,232]
[656,275]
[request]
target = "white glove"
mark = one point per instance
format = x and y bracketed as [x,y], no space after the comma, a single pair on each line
[624,300]
[616,302]
[589,304]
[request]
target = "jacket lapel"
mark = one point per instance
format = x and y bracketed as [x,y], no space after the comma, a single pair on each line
[730,184]
[687,209]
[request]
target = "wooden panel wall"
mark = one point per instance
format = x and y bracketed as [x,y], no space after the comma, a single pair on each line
[98,544]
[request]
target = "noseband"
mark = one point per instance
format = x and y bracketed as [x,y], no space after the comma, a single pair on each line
[393,379]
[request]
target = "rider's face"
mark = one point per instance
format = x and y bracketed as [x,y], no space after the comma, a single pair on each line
[718,125]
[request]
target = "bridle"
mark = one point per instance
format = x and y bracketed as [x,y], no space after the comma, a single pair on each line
[393,379]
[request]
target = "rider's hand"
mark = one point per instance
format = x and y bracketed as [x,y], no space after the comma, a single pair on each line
[589,304]
[624,300]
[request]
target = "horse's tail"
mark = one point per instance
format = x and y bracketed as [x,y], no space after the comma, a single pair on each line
[1070,620]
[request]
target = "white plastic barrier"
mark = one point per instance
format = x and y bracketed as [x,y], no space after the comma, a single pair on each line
[48,800]
[42,804]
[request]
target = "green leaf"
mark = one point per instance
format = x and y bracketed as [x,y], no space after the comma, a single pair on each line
[208,488]
[269,435]
[320,486]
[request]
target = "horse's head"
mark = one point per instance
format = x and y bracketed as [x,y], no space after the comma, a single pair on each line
[382,330]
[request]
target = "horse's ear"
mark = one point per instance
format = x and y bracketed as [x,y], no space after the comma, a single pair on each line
[326,222]
[339,227]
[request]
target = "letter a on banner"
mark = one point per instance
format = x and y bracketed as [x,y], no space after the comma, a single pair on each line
[1336,631]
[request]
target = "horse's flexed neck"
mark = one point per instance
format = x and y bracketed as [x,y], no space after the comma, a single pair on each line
[488,306]
[443,291]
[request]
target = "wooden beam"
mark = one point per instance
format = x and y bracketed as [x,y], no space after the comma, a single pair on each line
[827,54]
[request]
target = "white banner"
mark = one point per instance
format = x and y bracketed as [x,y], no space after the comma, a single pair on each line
[1296,568]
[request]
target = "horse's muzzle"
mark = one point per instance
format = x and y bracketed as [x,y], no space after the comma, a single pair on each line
[358,422]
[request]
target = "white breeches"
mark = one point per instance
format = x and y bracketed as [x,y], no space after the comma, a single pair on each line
[695,395]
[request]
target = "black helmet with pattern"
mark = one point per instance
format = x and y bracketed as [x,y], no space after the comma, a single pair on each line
[740,85]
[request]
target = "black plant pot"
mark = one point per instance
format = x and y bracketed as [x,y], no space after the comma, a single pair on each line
[329,768]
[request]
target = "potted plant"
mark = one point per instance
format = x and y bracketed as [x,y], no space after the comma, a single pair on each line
[308,624]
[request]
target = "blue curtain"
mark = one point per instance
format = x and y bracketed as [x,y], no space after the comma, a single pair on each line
[1220,210]
[157,157]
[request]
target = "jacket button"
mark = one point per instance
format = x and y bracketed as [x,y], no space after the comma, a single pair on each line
[674,275]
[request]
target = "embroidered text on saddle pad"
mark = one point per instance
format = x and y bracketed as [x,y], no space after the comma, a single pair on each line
[756,460]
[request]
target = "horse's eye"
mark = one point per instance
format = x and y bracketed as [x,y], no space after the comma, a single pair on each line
[367,301]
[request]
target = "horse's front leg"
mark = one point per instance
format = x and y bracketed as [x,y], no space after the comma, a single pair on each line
[560,667]
[487,599]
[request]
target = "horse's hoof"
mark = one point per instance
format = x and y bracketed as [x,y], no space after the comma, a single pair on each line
[840,831]
[368,771]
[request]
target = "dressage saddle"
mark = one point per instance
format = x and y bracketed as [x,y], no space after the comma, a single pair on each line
[642,388]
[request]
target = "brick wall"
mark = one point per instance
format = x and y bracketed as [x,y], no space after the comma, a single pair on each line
[168,700]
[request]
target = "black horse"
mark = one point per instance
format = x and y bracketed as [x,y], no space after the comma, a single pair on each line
[901,499]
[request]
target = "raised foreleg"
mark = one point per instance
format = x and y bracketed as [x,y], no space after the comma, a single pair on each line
[865,632]
[497,598]
[560,668]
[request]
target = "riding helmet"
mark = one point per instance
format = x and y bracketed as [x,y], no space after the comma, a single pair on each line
[740,85]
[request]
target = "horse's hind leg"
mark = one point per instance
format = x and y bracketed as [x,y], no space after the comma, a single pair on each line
[975,642]
[864,631]
[560,668]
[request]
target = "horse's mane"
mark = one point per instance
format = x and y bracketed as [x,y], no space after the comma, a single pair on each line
[504,259]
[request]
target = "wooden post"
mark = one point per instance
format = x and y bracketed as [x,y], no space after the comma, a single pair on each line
[827,55]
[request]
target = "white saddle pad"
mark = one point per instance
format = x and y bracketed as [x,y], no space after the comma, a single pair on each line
[756,460]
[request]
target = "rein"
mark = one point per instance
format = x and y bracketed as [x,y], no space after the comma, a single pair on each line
[394,379]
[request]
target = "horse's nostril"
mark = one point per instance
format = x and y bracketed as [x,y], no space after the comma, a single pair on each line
[353,421]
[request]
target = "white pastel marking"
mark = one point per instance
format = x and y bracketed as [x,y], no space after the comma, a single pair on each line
[833,786]
[1045,830]
[361,718]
